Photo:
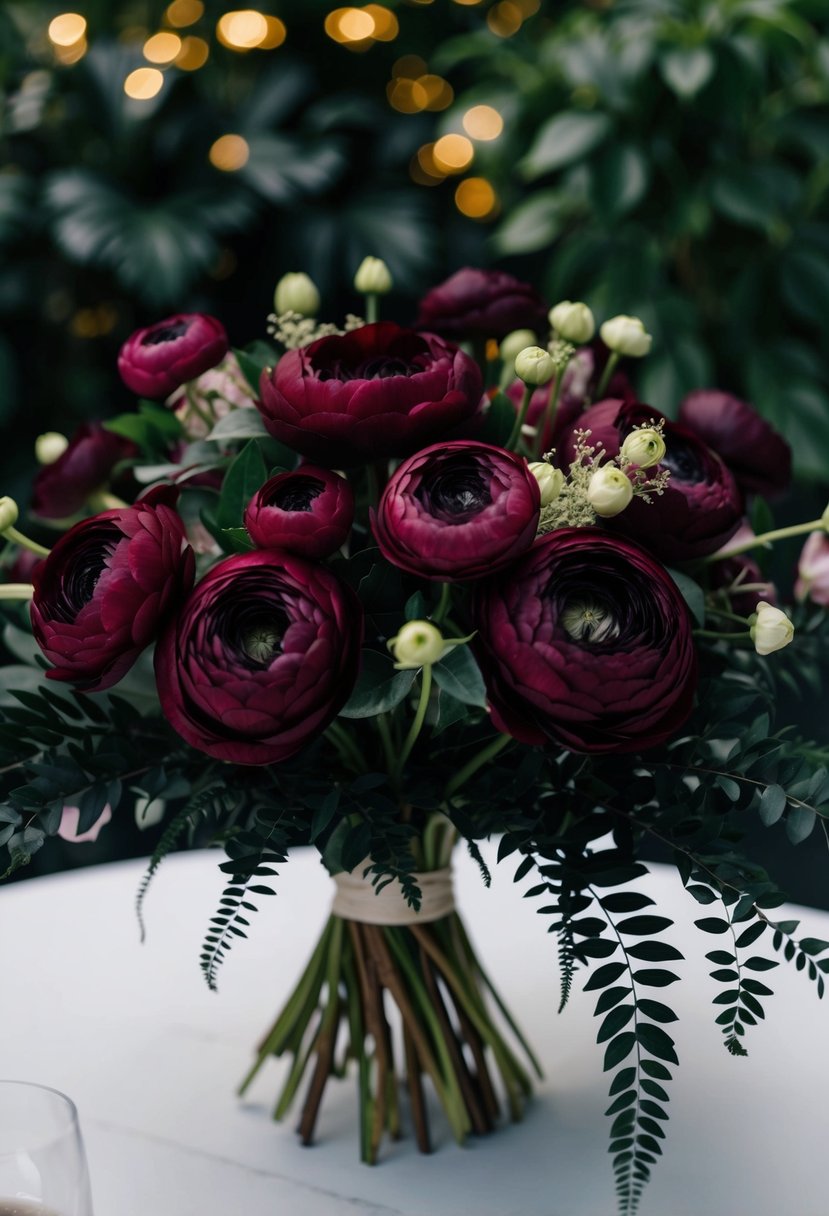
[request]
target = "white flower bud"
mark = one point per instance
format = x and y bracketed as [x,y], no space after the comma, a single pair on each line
[644,447]
[771,630]
[373,277]
[534,366]
[550,481]
[296,292]
[50,446]
[626,336]
[609,491]
[514,343]
[8,513]
[418,644]
[573,321]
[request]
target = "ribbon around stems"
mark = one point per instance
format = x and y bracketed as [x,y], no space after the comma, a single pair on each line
[357,899]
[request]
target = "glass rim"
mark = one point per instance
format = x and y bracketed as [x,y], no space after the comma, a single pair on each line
[69,1106]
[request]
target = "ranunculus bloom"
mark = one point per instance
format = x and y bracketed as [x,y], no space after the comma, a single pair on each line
[374,392]
[756,454]
[262,657]
[70,819]
[482,304]
[216,392]
[586,641]
[155,361]
[62,488]
[699,511]
[308,511]
[458,511]
[106,588]
[813,570]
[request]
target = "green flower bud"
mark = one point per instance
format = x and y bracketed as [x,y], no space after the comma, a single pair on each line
[644,447]
[770,628]
[550,481]
[8,513]
[626,336]
[534,366]
[50,446]
[418,644]
[373,277]
[296,292]
[609,491]
[514,343]
[573,321]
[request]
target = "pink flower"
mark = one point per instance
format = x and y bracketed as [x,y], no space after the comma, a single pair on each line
[69,820]
[217,391]
[813,570]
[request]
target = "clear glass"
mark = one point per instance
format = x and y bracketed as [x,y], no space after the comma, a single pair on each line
[42,1162]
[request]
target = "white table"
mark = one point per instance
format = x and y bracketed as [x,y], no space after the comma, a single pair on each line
[152,1059]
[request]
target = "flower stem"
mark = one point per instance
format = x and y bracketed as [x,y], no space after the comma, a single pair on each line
[420,714]
[478,761]
[609,369]
[728,637]
[727,616]
[444,603]
[347,748]
[17,538]
[515,434]
[549,416]
[382,723]
[207,416]
[766,538]
[372,307]
[16,591]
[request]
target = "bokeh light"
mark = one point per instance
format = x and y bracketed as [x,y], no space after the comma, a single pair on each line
[67,29]
[143,84]
[407,96]
[386,27]
[505,19]
[242,30]
[276,35]
[411,66]
[453,153]
[483,122]
[162,48]
[182,13]
[229,153]
[71,54]
[193,54]
[475,198]
[423,169]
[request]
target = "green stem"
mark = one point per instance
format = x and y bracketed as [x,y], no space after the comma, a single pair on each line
[728,637]
[17,538]
[16,591]
[444,603]
[372,307]
[609,369]
[383,729]
[727,616]
[345,745]
[549,416]
[515,433]
[420,715]
[766,538]
[478,761]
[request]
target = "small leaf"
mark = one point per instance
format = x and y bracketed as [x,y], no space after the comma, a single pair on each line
[614,1022]
[657,1042]
[657,1011]
[603,976]
[460,676]
[618,1049]
[712,924]
[772,804]
[750,935]
[642,926]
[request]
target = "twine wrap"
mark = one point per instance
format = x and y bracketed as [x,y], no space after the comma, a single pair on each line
[356,898]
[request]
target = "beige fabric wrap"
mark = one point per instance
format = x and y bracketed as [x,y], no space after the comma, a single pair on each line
[356,898]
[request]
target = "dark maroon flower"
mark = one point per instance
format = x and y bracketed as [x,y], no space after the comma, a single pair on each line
[262,657]
[62,488]
[458,511]
[701,508]
[308,511]
[155,361]
[586,641]
[375,392]
[482,304]
[754,451]
[106,588]
[22,569]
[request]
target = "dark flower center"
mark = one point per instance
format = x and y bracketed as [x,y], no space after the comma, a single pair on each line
[455,491]
[261,643]
[379,368]
[165,333]
[296,494]
[588,619]
[83,572]
[603,606]
[683,460]
[251,625]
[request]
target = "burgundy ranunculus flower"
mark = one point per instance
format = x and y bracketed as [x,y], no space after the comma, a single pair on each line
[155,361]
[374,392]
[586,641]
[308,511]
[699,511]
[62,488]
[458,511]
[263,655]
[106,588]
[756,454]
[482,304]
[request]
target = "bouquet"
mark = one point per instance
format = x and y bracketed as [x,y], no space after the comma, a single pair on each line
[381,590]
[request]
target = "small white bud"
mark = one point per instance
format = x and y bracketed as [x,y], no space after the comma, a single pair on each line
[771,629]
[296,292]
[50,446]
[609,491]
[418,644]
[534,366]
[550,481]
[8,513]
[513,344]
[644,447]
[573,321]
[626,336]
[373,277]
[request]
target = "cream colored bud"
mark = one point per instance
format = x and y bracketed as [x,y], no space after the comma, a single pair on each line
[8,513]
[296,292]
[514,343]
[626,336]
[373,277]
[644,447]
[418,644]
[50,446]
[771,629]
[573,321]
[550,481]
[609,491]
[534,366]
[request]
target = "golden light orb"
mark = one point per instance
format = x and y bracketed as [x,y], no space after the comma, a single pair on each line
[411,66]
[356,24]
[276,35]
[406,96]
[71,54]
[193,54]
[386,26]
[483,122]
[475,198]
[143,84]
[162,48]
[439,91]
[67,29]
[505,19]
[242,30]
[229,153]
[453,153]
[182,13]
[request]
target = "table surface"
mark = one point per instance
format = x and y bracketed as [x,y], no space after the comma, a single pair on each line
[153,1058]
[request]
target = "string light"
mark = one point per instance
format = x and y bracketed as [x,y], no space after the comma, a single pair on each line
[475,198]
[483,122]
[182,13]
[453,153]
[229,153]
[143,84]
[67,29]
[162,48]
[193,54]
[242,30]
